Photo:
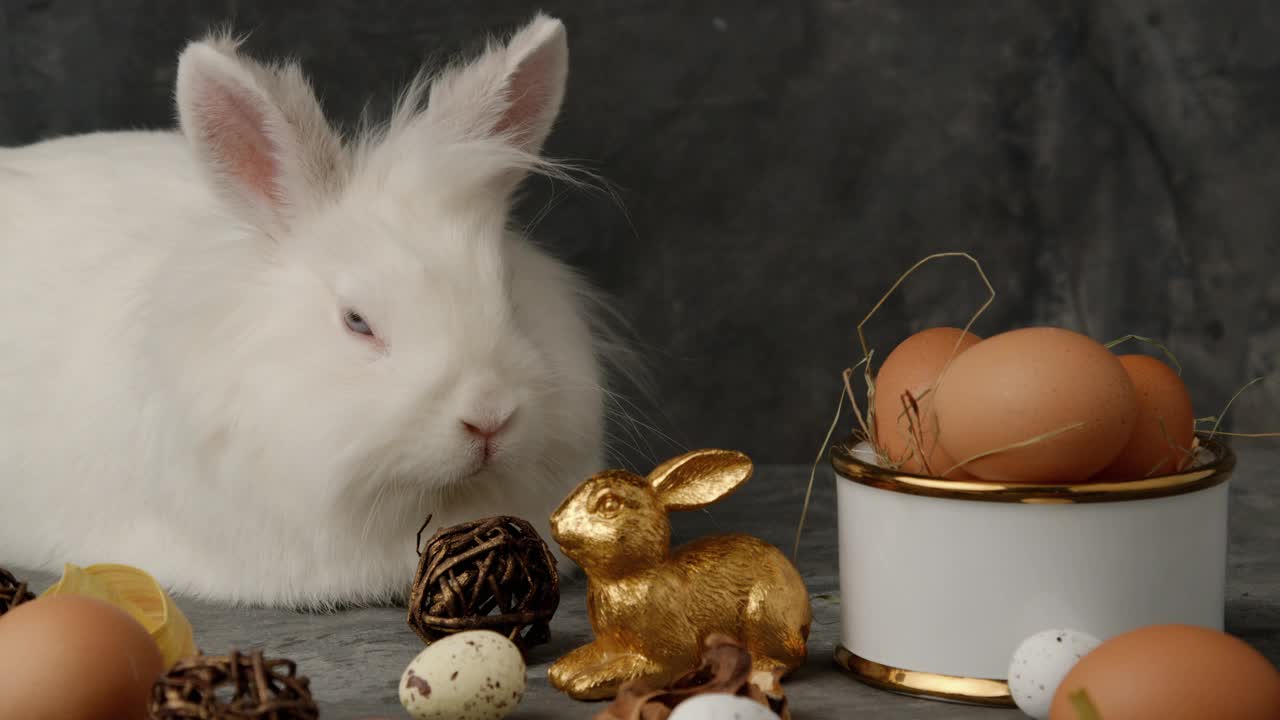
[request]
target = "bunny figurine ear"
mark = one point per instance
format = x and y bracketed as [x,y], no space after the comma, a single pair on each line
[699,478]
[259,133]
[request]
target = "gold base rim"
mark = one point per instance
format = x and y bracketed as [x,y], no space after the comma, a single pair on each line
[848,466]
[949,688]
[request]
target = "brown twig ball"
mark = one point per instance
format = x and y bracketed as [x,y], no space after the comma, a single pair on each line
[238,686]
[492,574]
[12,592]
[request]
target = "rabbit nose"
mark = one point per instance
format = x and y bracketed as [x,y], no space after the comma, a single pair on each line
[487,428]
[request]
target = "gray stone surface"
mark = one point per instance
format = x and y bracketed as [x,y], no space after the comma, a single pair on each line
[1113,163]
[355,657]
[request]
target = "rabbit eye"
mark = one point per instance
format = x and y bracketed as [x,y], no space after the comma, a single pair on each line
[356,323]
[608,504]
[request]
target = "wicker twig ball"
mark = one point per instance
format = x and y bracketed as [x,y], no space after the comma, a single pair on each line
[492,574]
[238,686]
[12,592]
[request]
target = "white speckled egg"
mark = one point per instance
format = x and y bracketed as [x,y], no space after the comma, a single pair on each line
[1039,665]
[472,675]
[721,706]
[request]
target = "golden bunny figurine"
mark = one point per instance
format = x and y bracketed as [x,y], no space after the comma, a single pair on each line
[651,608]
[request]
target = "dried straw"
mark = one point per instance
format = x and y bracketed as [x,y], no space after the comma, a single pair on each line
[1173,359]
[1217,420]
[867,421]
[813,471]
[862,337]
[1017,445]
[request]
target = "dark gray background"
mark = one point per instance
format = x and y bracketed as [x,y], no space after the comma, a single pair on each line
[779,163]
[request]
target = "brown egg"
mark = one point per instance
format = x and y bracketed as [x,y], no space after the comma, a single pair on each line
[75,658]
[1064,390]
[1172,672]
[1165,427]
[913,367]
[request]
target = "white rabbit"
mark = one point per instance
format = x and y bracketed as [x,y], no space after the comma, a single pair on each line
[250,356]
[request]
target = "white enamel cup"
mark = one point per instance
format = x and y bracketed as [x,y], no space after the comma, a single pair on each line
[941,580]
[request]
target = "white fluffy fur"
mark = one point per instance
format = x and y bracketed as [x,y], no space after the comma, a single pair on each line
[178,389]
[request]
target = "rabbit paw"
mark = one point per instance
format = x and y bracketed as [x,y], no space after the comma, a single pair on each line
[579,660]
[588,674]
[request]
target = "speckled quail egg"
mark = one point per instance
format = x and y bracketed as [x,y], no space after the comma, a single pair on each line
[1040,663]
[472,675]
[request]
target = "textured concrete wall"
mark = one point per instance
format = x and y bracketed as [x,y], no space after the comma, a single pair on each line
[1113,164]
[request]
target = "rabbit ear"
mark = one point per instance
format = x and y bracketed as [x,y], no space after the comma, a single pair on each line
[258,132]
[512,91]
[699,478]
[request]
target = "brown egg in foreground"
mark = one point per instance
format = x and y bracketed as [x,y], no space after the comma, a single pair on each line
[1165,428]
[1173,672]
[75,658]
[1039,405]
[913,367]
